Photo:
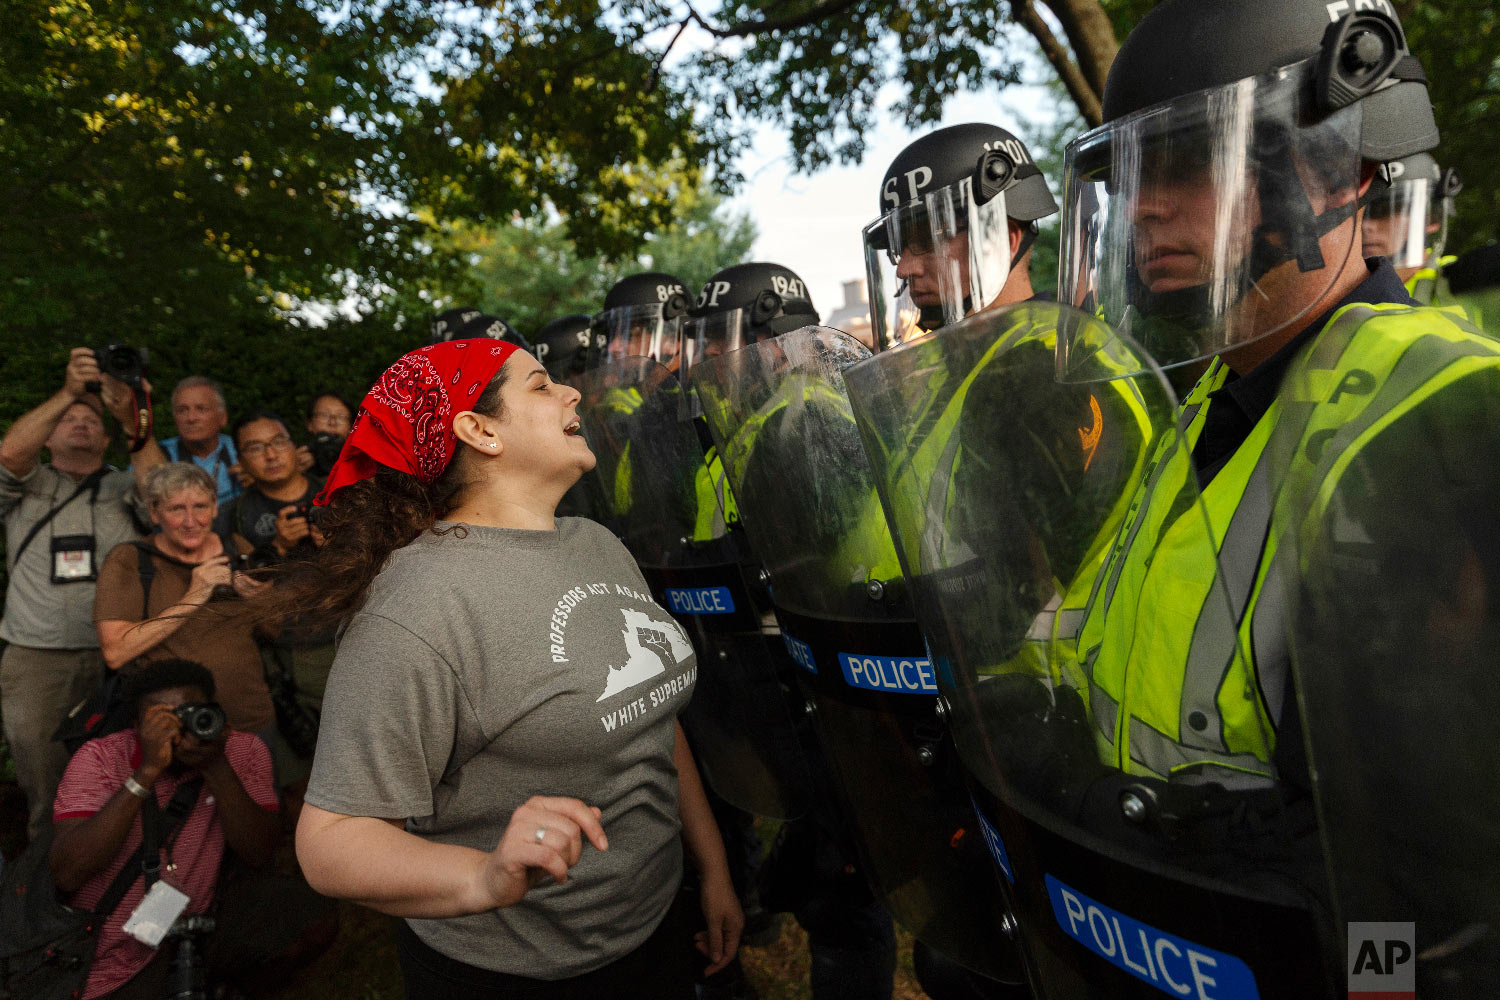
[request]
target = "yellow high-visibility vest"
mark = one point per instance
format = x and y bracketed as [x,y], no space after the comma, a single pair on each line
[1186,679]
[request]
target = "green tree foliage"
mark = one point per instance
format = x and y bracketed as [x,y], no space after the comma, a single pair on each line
[822,68]
[530,272]
[201,165]
[1459,45]
[527,272]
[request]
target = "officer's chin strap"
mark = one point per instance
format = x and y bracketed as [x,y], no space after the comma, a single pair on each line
[930,318]
[1028,237]
[1302,231]
[1188,308]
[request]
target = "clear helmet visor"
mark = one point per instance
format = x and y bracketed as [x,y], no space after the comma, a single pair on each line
[1209,222]
[933,261]
[640,332]
[1403,224]
[705,338]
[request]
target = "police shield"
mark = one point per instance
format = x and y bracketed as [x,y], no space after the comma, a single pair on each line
[1388,557]
[660,493]
[1061,562]
[783,426]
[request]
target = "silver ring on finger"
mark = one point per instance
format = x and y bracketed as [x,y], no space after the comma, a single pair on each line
[541,834]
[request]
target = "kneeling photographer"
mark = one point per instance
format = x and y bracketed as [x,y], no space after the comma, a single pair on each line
[200,785]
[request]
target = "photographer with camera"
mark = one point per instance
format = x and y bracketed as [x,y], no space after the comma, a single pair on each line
[272,513]
[112,784]
[177,595]
[329,418]
[61,517]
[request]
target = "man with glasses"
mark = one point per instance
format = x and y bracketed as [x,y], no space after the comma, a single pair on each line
[272,512]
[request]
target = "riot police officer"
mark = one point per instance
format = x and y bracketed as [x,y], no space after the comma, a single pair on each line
[960,213]
[812,869]
[945,246]
[562,346]
[1408,224]
[743,304]
[642,317]
[1216,218]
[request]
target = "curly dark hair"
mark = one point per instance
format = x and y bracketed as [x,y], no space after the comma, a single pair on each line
[363,524]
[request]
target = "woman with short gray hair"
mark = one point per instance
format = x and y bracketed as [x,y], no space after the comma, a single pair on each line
[164,480]
[175,595]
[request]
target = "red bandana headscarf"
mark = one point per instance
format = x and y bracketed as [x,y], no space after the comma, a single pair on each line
[405,421]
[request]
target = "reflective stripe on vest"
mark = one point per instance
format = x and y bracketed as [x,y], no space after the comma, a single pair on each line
[1186,677]
[716,508]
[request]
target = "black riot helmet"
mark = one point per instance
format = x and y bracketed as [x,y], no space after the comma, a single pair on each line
[492,327]
[1239,141]
[445,324]
[562,346]
[742,305]
[642,317]
[940,248]
[1408,222]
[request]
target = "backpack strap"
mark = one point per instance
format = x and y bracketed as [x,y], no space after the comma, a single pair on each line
[145,566]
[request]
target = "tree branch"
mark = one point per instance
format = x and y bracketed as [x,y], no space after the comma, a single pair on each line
[812,15]
[1091,36]
[1079,88]
[661,59]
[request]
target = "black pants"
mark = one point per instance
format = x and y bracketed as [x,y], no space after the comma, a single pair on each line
[660,969]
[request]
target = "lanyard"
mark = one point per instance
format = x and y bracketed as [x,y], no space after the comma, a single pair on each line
[90,483]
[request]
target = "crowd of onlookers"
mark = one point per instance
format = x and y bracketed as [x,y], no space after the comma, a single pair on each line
[125,602]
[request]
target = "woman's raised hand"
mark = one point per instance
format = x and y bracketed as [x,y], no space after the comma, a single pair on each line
[545,837]
[207,575]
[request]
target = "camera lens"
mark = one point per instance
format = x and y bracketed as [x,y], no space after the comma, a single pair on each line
[204,720]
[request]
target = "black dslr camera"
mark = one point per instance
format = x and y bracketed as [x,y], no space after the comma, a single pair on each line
[204,719]
[325,448]
[128,364]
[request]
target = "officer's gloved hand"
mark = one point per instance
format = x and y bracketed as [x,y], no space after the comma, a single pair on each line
[1042,738]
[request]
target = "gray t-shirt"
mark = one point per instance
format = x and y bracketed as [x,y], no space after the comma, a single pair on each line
[489,665]
[39,613]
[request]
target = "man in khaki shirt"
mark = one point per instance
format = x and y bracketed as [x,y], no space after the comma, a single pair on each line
[51,657]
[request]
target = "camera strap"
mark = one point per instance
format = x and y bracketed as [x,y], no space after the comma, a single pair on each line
[159,825]
[90,482]
[175,813]
[146,553]
[140,404]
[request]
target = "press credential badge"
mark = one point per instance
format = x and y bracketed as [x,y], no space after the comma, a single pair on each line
[157,913]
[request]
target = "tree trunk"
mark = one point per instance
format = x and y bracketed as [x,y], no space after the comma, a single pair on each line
[1085,91]
[1091,37]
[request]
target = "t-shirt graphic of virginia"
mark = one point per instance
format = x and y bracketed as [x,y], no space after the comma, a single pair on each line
[649,646]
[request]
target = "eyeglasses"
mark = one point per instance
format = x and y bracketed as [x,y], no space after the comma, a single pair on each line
[255,448]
